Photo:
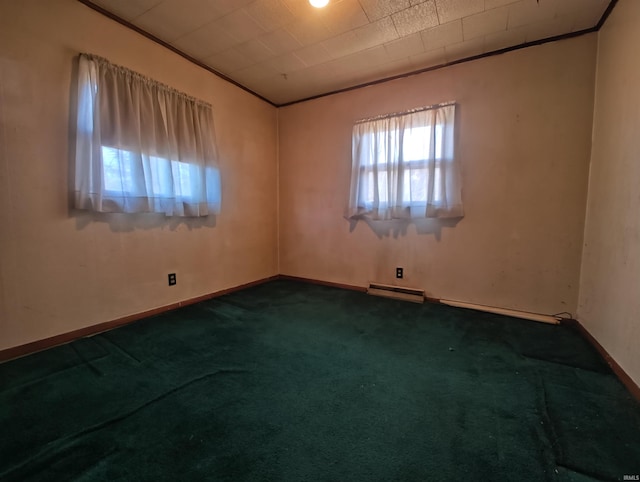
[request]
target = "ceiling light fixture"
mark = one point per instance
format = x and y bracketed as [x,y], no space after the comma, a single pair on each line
[319,3]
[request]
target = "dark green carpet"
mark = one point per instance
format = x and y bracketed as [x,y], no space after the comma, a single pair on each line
[290,381]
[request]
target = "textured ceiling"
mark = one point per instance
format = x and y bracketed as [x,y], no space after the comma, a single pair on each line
[286,50]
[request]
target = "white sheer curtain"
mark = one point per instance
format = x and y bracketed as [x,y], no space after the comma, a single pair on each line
[404,166]
[142,146]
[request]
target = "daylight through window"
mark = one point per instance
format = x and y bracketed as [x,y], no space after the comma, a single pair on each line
[142,146]
[404,166]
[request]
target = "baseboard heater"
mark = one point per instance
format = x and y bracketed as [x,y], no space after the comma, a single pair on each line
[504,311]
[396,292]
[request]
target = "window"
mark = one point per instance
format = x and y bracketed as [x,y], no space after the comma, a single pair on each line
[404,166]
[142,146]
[118,169]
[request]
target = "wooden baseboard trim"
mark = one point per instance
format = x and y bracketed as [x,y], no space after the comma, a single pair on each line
[323,283]
[362,289]
[39,345]
[626,380]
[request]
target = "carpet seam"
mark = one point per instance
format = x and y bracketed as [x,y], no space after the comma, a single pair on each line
[48,452]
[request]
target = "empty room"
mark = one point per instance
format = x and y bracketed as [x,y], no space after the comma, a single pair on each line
[346,240]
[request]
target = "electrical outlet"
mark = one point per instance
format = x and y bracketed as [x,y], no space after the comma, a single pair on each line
[399,272]
[172,279]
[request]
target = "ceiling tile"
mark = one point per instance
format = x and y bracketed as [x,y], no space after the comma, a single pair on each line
[313,54]
[159,29]
[356,68]
[529,11]
[585,20]
[405,47]
[584,17]
[270,14]
[285,64]
[429,58]
[301,8]
[255,42]
[573,7]
[449,10]
[362,38]
[463,50]
[273,87]
[204,42]
[485,23]
[268,91]
[376,33]
[346,66]
[240,26]
[375,9]
[127,9]
[320,72]
[283,90]
[391,69]
[172,19]
[228,61]
[372,72]
[343,16]
[309,31]
[303,81]
[548,28]
[253,74]
[342,45]
[489,4]
[255,50]
[227,6]
[416,18]
[280,42]
[503,40]
[374,56]
[449,33]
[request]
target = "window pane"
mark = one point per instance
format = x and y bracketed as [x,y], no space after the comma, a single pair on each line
[438,195]
[182,177]
[415,186]
[369,189]
[407,150]
[383,191]
[416,144]
[117,167]
[165,179]
[161,177]
[439,140]
[380,143]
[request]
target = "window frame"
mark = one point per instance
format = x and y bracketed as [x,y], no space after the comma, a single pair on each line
[408,165]
[111,192]
[405,165]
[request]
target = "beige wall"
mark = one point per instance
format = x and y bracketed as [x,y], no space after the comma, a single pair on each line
[525,129]
[62,270]
[610,282]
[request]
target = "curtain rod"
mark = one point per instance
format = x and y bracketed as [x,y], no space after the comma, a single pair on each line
[410,111]
[144,78]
